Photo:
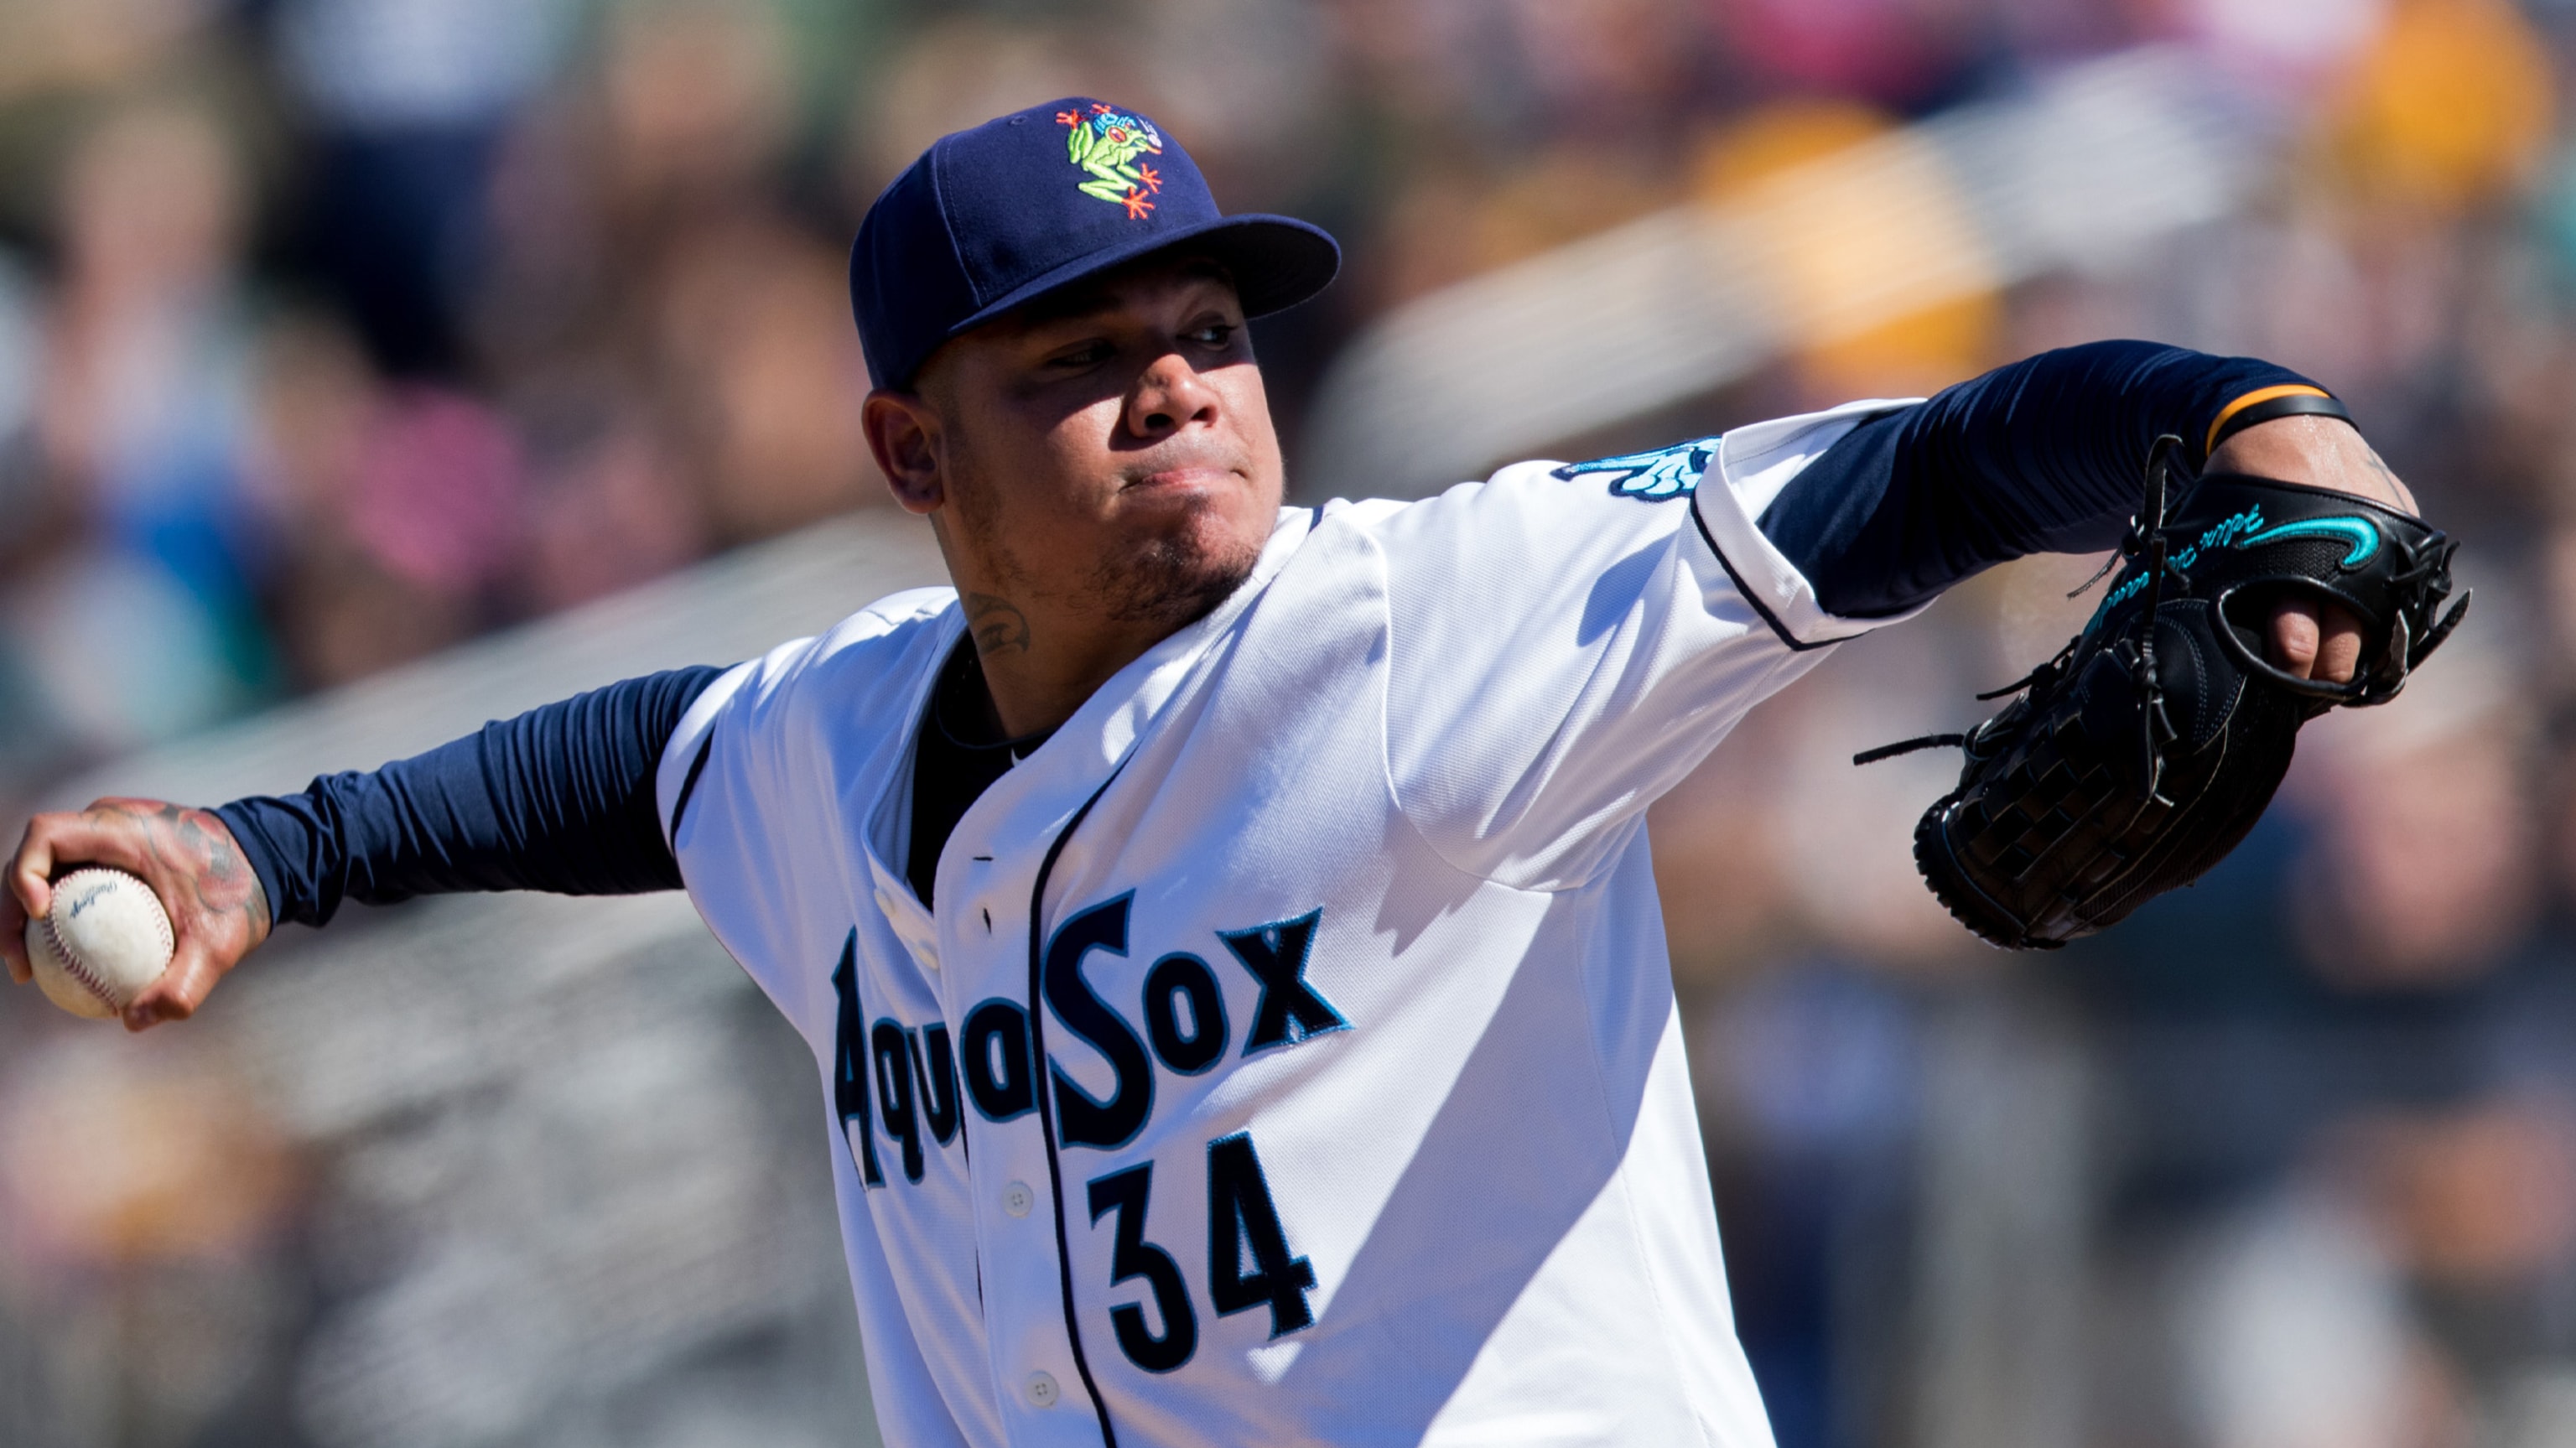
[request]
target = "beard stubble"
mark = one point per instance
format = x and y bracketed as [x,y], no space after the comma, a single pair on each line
[1172,577]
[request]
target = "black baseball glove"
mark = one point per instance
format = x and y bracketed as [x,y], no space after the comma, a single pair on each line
[2142,753]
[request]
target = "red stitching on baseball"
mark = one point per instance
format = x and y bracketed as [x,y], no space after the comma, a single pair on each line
[79,970]
[73,967]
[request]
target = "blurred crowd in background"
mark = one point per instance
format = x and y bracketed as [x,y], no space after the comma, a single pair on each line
[335,332]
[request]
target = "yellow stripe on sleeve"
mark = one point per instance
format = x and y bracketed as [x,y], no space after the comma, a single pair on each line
[2259,394]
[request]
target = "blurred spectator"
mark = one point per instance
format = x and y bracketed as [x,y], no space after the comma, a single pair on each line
[1888,50]
[676,340]
[697,101]
[764,373]
[2302,1321]
[2426,863]
[140,1204]
[20,345]
[398,507]
[607,511]
[961,70]
[73,45]
[1810,1097]
[408,99]
[2295,1334]
[141,437]
[1246,81]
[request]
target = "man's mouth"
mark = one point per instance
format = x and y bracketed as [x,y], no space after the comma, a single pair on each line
[1181,475]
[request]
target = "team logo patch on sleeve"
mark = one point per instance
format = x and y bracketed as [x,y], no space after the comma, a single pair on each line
[1655,477]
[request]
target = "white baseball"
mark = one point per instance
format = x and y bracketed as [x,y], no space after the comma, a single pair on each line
[104,941]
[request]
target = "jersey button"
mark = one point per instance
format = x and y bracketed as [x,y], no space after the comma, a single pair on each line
[1042,1390]
[1017,1199]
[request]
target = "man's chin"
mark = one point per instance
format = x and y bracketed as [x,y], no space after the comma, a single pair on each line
[1175,579]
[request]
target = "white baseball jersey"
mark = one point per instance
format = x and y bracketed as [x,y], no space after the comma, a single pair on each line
[1292,1056]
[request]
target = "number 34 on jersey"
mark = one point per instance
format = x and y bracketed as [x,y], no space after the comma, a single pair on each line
[904,1083]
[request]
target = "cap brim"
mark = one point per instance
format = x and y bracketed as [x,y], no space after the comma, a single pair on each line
[1277,261]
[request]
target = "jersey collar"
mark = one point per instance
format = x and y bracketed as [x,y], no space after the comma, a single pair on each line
[1038,795]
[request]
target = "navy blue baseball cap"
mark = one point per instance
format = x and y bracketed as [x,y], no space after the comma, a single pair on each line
[994,217]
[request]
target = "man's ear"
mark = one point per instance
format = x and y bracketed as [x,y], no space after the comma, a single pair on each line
[903,432]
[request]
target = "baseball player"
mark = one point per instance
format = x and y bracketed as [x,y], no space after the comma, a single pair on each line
[1225,932]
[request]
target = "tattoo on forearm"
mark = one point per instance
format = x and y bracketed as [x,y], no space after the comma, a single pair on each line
[998,625]
[194,847]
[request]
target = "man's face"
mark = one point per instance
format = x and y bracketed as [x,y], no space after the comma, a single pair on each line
[1106,452]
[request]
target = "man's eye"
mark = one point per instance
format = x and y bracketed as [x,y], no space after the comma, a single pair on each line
[1089,354]
[1215,334]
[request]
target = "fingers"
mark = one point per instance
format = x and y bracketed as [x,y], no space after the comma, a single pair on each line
[31,873]
[2312,639]
[109,832]
[55,842]
[2339,654]
[30,893]
[180,990]
[2295,637]
[14,915]
[13,939]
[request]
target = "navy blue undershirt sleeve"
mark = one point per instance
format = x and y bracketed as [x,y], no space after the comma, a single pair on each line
[2042,456]
[560,798]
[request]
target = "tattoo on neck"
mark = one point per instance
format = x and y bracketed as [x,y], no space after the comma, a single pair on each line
[998,625]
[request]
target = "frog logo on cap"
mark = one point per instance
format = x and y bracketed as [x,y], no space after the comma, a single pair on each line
[1106,144]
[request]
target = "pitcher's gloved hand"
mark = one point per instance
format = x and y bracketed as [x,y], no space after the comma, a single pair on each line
[2143,752]
[2311,638]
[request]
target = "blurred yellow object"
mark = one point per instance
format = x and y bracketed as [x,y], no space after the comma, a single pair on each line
[109,1156]
[1776,138]
[1832,249]
[2450,106]
[1567,191]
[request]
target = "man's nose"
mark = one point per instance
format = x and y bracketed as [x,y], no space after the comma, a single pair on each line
[1167,395]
